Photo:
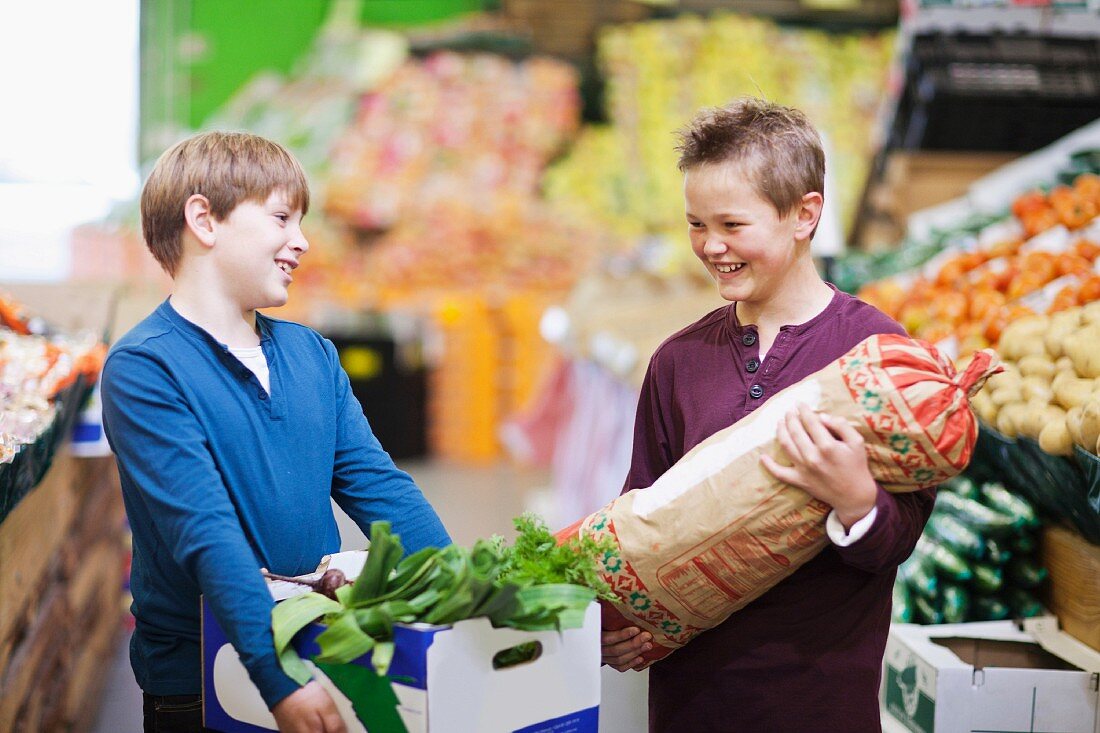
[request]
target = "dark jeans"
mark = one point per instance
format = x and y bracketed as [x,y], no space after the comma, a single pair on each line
[173,714]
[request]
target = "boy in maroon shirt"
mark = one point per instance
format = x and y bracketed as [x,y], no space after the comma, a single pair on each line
[806,656]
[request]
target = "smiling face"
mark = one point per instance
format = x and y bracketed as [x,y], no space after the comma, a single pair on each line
[258,246]
[753,253]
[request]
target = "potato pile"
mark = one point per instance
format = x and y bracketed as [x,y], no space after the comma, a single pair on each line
[1050,389]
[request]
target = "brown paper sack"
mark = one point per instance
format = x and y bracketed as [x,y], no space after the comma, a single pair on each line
[717,530]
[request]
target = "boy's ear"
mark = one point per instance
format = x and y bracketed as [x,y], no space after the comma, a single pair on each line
[200,222]
[808,214]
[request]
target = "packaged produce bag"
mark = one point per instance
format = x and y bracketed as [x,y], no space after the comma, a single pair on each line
[717,529]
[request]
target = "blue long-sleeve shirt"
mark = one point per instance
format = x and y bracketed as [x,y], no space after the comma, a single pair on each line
[221,478]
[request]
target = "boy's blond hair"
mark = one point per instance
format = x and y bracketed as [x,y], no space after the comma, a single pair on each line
[227,168]
[778,147]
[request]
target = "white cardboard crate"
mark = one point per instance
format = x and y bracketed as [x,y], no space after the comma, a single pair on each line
[445,679]
[989,677]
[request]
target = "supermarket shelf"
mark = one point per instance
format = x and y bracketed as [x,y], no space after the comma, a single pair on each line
[861,13]
[1051,21]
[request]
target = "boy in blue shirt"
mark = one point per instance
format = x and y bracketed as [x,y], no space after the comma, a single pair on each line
[233,429]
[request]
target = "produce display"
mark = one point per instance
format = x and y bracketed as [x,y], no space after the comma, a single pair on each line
[717,529]
[1043,259]
[1041,417]
[1050,389]
[857,268]
[508,245]
[34,371]
[13,316]
[1027,284]
[975,561]
[446,156]
[451,128]
[43,379]
[660,72]
[536,584]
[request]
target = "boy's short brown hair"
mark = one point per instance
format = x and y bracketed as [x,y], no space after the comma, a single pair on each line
[227,168]
[778,146]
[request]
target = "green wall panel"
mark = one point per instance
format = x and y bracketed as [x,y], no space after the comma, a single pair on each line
[234,39]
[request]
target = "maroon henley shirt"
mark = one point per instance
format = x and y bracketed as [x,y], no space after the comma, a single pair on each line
[806,656]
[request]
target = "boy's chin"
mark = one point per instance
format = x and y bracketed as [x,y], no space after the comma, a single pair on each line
[731,294]
[272,301]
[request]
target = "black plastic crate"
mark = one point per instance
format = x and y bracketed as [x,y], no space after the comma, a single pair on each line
[1006,92]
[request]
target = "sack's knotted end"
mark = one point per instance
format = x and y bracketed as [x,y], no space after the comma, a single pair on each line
[982,365]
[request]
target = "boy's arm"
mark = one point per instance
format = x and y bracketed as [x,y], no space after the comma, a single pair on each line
[650,457]
[366,483]
[621,649]
[162,449]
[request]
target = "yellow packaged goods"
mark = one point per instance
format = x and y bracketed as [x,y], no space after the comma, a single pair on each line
[717,530]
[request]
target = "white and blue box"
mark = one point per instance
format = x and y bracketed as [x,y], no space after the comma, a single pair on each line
[443,677]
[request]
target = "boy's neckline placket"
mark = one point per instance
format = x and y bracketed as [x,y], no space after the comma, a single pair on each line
[276,400]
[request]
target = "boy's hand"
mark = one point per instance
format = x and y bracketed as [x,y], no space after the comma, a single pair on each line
[308,710]
[830,463]
[620,649]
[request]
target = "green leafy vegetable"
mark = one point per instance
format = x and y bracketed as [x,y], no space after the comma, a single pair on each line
[290,617]
[385,553]
[371,694]
[536,584]
[537,558]
[343,640]
[294,667]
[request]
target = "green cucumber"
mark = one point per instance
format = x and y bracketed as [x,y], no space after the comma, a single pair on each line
[943,559]
[1026,572]
[928,611]
[996,496]
[989,608]
[966,487]
[901,609]
[917,573]
[978,516]
[1024,543]
[987,578]
[997,551]
[956,603]
[958,536]
[1023,604]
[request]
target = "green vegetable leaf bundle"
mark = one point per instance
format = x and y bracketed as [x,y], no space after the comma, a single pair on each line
[534,585]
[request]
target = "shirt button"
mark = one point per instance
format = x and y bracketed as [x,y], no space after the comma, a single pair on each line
[263,395]
[752,365]
[749,339]
[756,391]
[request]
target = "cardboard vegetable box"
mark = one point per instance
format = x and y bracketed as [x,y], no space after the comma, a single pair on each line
[992,677]
[443,677]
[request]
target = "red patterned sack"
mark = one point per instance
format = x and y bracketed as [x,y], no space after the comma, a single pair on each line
[717,529]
